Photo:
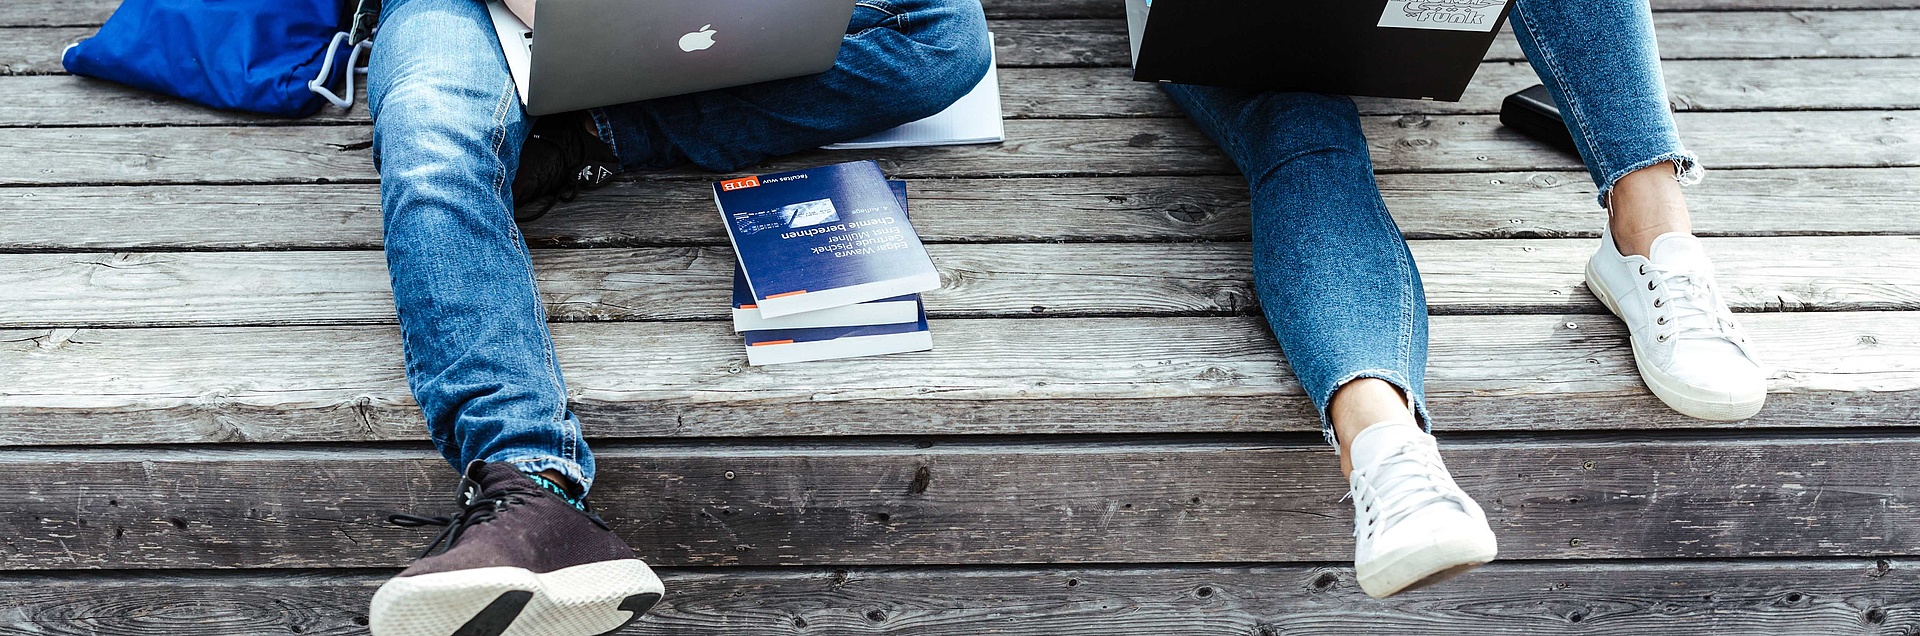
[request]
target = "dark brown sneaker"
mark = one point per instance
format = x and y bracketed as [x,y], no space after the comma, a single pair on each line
[560,159]
[515,557]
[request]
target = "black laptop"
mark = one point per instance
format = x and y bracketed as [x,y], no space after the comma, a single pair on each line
[1414,49]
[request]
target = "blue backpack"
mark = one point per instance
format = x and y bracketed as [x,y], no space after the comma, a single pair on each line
[277,57]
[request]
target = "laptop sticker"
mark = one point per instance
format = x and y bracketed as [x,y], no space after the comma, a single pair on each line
[1444,15]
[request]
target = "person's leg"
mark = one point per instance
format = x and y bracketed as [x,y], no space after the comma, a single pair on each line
[447,132]
[901,60]
[1601,63]
[1335,278]
[1340,289]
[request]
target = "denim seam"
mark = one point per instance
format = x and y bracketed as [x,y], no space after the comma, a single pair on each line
[1575,113]
[571,441]
[1402,259]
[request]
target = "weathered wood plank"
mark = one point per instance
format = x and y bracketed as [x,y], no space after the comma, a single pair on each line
[71,100]
[94,12]
[150,289]
[884,502]
[348,216]
[1028,93]
[1103,42]
[1771,34]
[1689,35]
[1140,147]
[1846,201]
[1192,375]
[37,51]
[1519,599]
[1696,85]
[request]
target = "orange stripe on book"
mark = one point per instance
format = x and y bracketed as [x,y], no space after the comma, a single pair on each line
[772,342]
[791,293]
[749,306]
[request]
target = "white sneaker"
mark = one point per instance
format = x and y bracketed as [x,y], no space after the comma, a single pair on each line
[1690,351]
[1412,526]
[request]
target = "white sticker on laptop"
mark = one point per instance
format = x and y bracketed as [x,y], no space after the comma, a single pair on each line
[1445,15]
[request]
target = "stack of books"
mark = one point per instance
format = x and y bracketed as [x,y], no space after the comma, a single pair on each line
[826,265]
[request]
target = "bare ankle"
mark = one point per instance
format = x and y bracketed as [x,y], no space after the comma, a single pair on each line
[1361,404]
[1643,205]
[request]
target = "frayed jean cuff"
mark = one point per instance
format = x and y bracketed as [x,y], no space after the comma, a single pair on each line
[542,463]
[1686,170]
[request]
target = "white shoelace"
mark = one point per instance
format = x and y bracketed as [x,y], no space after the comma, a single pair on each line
[1690,308]
[1421,480]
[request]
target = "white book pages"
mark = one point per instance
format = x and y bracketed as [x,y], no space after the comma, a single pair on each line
[975,119]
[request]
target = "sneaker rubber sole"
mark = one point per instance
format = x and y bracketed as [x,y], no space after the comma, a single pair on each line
[1688,400]
[1419,566]
[584,600]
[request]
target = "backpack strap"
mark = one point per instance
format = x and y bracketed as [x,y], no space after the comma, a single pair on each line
[319,84]
[360,27]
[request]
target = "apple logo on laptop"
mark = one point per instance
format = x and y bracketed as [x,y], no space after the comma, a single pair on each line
[700,40]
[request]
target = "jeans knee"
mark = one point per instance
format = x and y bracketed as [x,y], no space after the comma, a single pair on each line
[958,72]
[431,129]
[1287,127]
[940,52]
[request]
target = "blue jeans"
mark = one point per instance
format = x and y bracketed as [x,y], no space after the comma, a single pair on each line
[447,132]
[1334,276]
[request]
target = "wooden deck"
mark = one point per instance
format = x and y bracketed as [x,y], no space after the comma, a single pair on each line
[203,416]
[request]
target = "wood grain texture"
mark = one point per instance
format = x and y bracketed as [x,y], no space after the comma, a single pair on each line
[94,12]
[1846,201]
[1774,597]
[71,100]
[1138,147]
[930,502]
[36,51]
[1688,35]
[1033,93]
[1512,276]
[1103,42]
[1692,85]
[1063,375]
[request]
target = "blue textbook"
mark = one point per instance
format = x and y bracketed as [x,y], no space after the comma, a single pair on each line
[778,346]
[898,309]
[821,238]
[746,315]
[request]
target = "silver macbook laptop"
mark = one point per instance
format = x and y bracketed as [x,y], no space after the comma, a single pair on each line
[592,53]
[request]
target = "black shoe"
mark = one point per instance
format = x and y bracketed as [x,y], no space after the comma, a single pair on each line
[559,160]
[516,556]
